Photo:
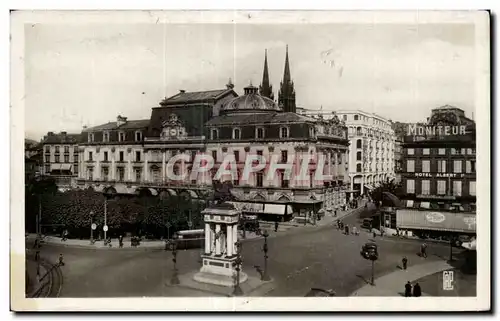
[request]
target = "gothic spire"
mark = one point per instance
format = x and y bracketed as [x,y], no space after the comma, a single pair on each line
[266,89]
[286,95]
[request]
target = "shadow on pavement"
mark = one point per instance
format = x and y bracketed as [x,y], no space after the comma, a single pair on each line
[363,278]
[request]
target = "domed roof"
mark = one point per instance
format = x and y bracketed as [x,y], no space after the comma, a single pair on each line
[250,101]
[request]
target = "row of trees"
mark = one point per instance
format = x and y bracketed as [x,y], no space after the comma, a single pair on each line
[75,210]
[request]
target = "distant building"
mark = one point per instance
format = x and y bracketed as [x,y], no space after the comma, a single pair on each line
[371,150]
[60,158]
[439,175]
[400,130]
[33,159]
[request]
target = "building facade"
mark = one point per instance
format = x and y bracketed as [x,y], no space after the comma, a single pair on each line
[371,149]
[439,174]
[61,158]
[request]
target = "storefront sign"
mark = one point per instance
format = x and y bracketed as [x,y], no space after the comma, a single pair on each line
[435,217]
[414,130]
[439,175]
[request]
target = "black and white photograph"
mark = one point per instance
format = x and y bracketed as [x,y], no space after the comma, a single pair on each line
[250,160]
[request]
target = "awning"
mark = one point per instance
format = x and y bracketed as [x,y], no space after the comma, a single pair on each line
[171,192]
[55,167]
[262,208]
[277,209]
[438,221]
[192,193]
[66,167]
[153,191]
[368,186]
[352,191]
[470,245]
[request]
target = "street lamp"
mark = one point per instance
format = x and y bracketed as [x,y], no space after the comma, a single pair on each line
[175,277]
[91,228]
[265,276]
[237,263]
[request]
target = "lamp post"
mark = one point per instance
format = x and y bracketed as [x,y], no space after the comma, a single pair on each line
[91,229]
[237,263]
[265,275]
[175,277]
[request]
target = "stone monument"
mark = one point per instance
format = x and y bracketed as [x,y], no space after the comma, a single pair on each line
[221,234]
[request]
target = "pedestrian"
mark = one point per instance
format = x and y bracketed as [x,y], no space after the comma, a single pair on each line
[397,231]
[374,233]
[408,289]
[120,241]
[335,213]
[354,230]
[61,260]
[37,255]
[276,225]
[417,291]
[405,262]
[346,229]
[424,250]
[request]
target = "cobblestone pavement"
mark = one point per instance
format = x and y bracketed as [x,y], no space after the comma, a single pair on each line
[298,260]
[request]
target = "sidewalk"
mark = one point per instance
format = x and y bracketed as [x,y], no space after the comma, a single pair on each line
[99,244]
[393,283]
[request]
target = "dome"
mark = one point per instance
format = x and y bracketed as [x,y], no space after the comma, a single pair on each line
[251,101]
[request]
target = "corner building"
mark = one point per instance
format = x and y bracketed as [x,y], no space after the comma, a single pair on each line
[439,175]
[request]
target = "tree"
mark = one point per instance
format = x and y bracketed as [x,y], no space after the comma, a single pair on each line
[381,195]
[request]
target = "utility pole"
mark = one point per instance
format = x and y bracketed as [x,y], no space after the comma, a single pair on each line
[105,215]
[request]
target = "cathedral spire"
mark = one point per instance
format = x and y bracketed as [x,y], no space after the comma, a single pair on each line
[286,95]
[266,89]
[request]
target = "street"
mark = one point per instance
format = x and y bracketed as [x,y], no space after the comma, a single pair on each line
[322,257]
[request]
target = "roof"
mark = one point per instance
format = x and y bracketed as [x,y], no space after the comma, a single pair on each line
[196,96]
[62,139]
[258,118]
[130,124]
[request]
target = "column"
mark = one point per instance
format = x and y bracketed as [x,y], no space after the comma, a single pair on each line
[208,241]
[217,241]
[129,169]
[146,170]
[235,237]
[163,166]
[113,168]
[229,243]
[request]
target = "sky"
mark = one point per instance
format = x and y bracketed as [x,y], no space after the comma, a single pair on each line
[78,75]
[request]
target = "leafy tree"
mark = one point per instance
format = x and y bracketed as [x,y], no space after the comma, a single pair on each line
[380,194]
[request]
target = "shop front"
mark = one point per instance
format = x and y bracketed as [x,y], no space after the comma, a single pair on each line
[436,224]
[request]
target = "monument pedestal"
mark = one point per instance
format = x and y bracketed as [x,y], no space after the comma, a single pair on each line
[219,270]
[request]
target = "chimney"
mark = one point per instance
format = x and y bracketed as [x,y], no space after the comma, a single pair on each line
[50,134]
[229,84]
[120,120]
[182,91]
[64,133]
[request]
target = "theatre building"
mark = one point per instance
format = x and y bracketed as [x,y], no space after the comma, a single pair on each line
[439,176]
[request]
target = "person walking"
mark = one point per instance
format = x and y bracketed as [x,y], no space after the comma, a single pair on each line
[423,250]
[61,260]
[335,213]
[408,289]
[405,262]
[417,291]
[120,241]
[276,225]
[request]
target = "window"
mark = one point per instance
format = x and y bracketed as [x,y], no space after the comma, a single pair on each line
[260,133]
[90,156]
[345,117]
[138,173]
[359,131]
[358,168]
[121,174]
[57,149]
[236,133]
[284,156]
[426,205]
[410,186]
[121,136]
[283,132]
[105,137]
[410,166]
[90,173]
[66,149]
[442,151]
[214,134]
[358,156]
[105,172]
[441,166]
[462,151]
[56,157]
[472,188]
[47,158]
[259,152]
[284,182]
[356,117]
[358,143]
[236,180]
[409,203]
[471,151]
[426,166]
[312,132]
[426,151]
[311,179]
[47,149]
[457,166]
[137,156]
[91,137]
[66,158]
[121,156]
[441,187]
[237,155]
[411,151]
[106,156]
[47,169]
[468,166]
[260,179]
[138,136]
[457,188]
[473,166]
[214,155]
[426,187]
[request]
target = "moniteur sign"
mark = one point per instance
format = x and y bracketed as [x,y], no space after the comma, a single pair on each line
[418,130]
